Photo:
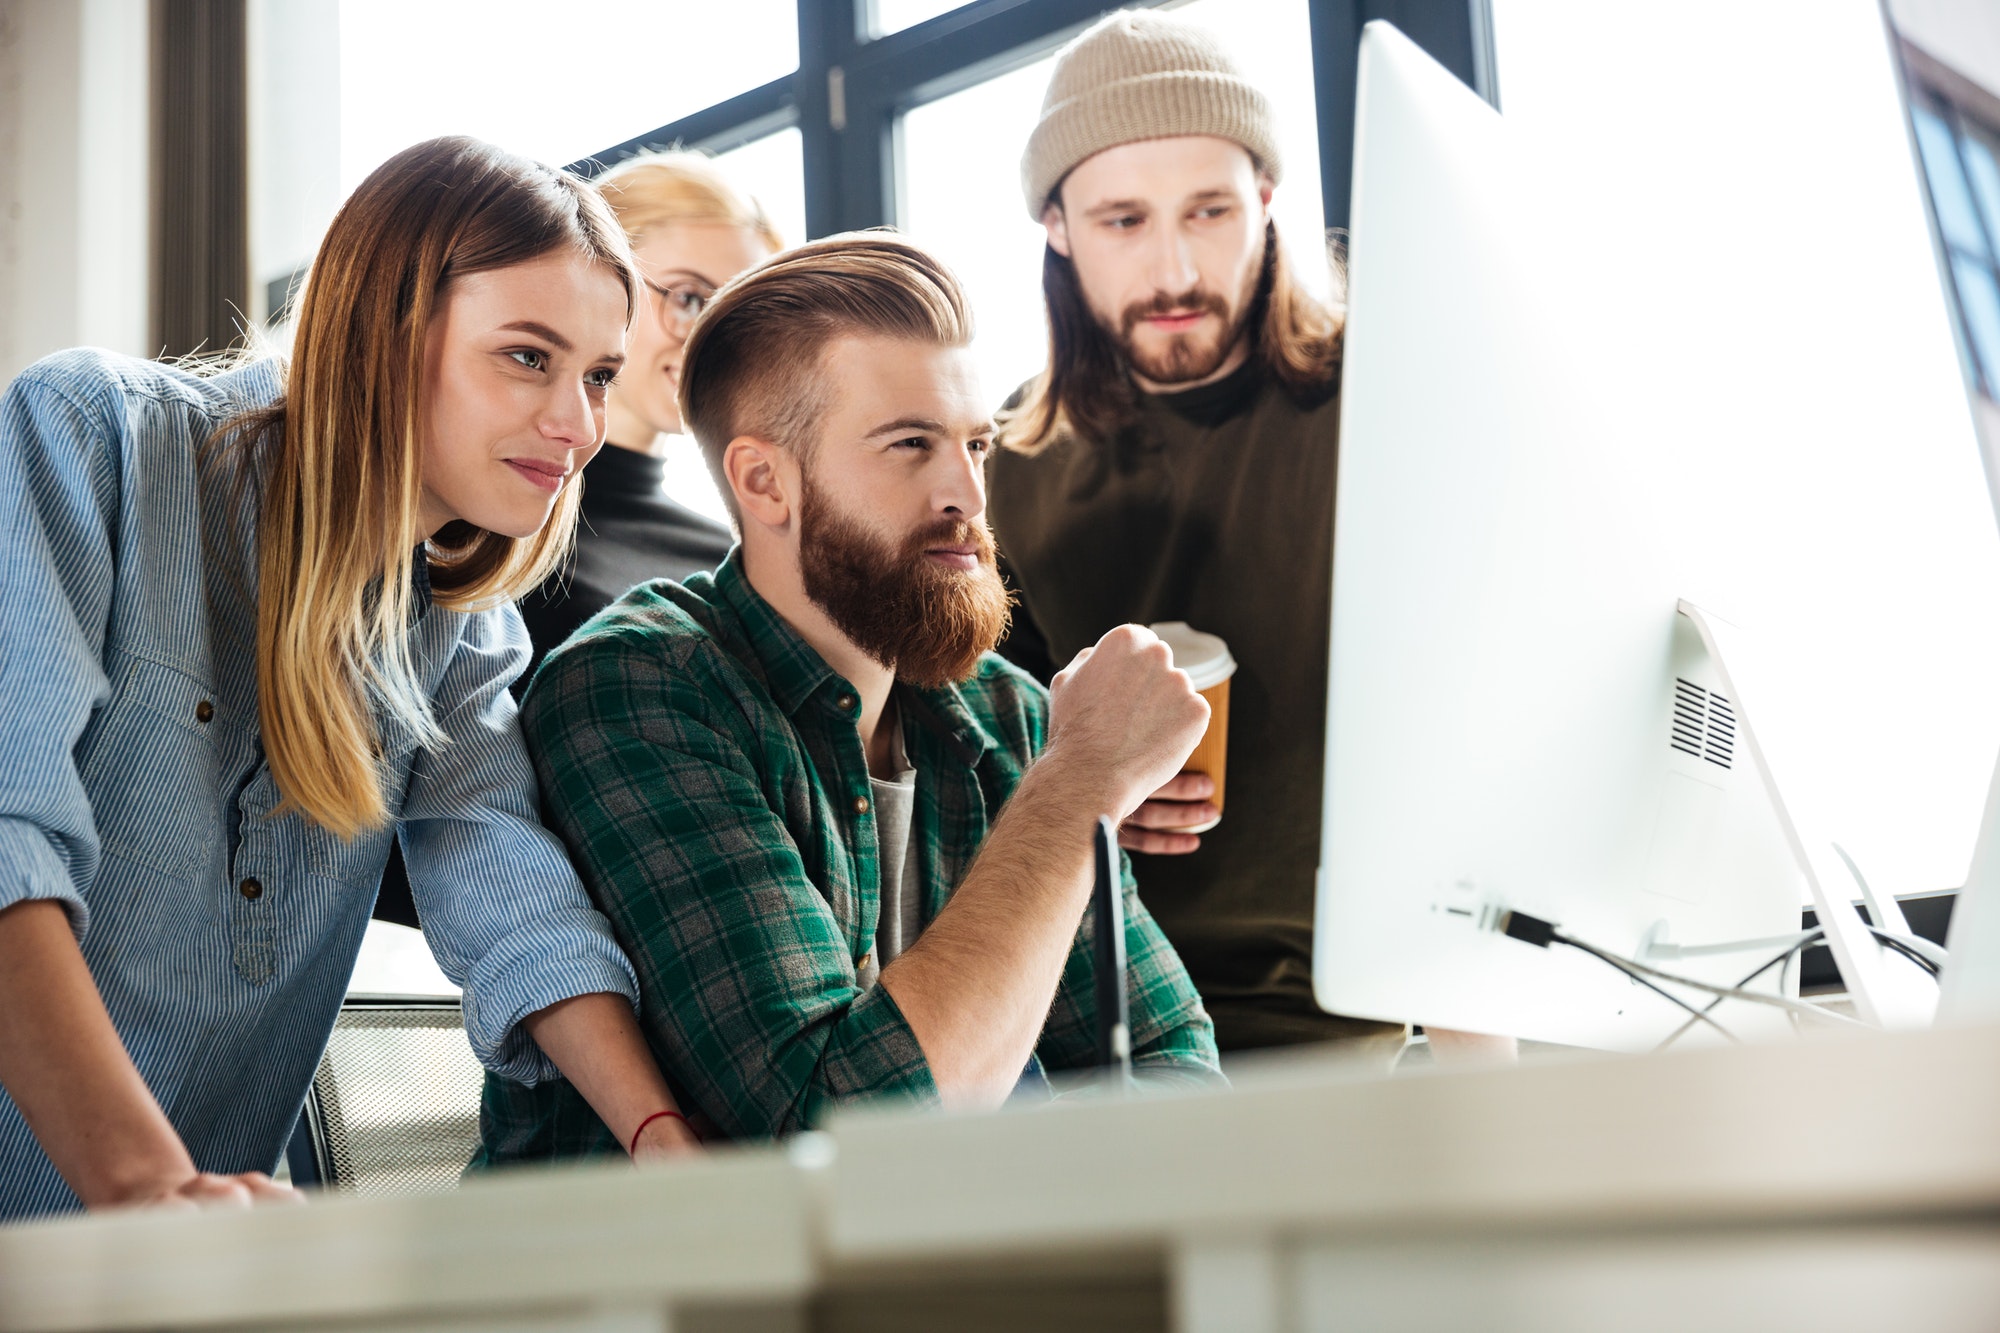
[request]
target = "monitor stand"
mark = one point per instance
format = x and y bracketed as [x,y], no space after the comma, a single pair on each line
[1971,989]
[1884,996]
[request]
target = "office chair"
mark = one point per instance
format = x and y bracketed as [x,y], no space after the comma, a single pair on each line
[394,1105]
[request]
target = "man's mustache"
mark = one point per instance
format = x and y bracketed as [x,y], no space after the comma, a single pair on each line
[1194,300]
[954,532]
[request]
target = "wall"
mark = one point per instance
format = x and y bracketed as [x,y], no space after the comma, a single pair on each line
[75,189]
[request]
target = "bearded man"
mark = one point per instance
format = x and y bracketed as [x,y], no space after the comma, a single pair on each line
[847,847]
[1176,462]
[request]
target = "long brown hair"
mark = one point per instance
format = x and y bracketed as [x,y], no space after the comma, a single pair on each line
[339,460]
[1086,391]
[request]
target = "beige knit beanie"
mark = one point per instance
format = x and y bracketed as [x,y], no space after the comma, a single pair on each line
[1137,74]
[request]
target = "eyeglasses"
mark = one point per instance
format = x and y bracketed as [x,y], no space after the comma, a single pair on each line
[681,303]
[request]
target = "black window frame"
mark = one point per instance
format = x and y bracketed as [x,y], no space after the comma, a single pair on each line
[851,89]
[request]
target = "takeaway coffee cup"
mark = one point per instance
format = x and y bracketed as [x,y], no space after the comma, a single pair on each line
[1207,661]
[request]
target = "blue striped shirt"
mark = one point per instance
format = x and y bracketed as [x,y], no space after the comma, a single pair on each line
[133,787]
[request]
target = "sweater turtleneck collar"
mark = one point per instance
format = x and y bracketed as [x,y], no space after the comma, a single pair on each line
[624,472]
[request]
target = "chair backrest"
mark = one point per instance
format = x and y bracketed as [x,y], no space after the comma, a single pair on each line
[394,1106]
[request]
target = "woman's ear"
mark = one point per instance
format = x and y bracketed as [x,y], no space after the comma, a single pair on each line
[764,487]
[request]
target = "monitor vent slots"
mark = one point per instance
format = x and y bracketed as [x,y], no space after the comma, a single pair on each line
[1704,725]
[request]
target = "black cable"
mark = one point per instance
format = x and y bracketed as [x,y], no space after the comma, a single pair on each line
[1890,941]
[1619,963]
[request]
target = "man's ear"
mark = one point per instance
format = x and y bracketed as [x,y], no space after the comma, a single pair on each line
[1057,227]
[763,487]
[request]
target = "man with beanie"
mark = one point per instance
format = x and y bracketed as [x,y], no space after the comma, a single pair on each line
[1175,461]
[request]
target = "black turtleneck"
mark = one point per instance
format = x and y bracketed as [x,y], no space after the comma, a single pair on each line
[628,532]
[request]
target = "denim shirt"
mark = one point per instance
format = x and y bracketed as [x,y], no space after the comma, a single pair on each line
[134,790]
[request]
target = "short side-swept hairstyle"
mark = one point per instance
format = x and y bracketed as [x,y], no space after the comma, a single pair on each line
[752,361]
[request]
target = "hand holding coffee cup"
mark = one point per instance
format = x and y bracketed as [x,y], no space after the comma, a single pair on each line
[1191,803]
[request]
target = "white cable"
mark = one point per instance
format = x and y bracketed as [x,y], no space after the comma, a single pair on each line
[1797,1007]
[1665,949]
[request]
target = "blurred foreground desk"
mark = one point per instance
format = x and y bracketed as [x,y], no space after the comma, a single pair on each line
[1849,1183]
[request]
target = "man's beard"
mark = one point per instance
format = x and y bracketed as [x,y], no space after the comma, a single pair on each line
[1186,357]
[928,622]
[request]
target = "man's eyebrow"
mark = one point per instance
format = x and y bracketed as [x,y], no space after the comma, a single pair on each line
[540,330]
[1139,205]
[926,426]
[1115,206]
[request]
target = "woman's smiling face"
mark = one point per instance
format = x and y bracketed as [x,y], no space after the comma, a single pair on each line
[517,365]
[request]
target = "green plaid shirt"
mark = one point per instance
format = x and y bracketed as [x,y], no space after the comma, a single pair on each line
[703,764]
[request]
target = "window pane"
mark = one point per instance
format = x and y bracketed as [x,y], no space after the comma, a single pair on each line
[1979,299]
[1981,152]
[1949,194]
[896,15]
[773,168]
[962,197]
[962,194]
[414,69]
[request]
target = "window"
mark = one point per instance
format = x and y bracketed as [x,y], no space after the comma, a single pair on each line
[1962,165]
[773,170]
[962,198]
[893,16]
[554,83]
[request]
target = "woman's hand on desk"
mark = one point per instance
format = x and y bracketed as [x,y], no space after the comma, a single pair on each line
[1182,803]
[207,1190]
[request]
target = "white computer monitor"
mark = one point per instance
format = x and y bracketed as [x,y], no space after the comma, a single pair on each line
[1519,715]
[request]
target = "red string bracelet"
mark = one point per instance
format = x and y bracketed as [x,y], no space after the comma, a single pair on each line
[634,1148]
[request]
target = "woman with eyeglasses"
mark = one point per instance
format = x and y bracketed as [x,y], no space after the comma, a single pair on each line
[691,231]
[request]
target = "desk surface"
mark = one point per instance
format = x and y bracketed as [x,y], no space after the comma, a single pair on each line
[1882,1135]
[1845,1124]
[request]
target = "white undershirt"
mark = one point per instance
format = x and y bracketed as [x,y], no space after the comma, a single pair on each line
[899,913]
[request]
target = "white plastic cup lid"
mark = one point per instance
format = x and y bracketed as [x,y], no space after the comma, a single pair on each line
[1204,657]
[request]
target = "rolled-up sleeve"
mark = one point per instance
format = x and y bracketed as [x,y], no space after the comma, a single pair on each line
[58,496]
[750,997]
[501,907]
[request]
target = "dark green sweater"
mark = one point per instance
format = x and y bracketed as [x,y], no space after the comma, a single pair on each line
[1215,507]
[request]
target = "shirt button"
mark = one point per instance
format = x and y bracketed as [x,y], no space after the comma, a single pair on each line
[845,703]
[861,963]
[203,711]
[861,805]
[251,889]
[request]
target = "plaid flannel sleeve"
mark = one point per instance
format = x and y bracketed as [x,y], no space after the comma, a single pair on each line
[655,773]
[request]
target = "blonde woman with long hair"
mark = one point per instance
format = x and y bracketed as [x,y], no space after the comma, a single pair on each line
[260,627]
[691,230]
